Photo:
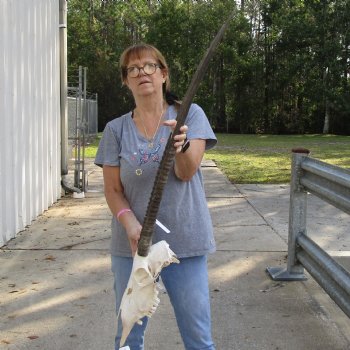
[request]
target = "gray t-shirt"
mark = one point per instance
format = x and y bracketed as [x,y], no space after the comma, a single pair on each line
[183,209]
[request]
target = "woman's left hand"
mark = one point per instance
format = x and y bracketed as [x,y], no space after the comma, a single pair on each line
[180,138]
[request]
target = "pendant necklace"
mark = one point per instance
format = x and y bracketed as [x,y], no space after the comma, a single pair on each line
[151,140]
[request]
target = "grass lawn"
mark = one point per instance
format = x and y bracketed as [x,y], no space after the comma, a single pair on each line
[267,158]
[91,148]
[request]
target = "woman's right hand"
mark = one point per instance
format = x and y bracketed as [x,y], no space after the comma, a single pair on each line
[133,230]
[114,193]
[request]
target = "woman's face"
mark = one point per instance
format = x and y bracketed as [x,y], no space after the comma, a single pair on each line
[145,84]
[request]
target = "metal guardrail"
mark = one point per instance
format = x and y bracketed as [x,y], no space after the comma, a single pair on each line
[331,184]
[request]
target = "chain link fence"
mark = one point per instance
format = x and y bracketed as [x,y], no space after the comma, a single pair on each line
[82,122]
[89,122]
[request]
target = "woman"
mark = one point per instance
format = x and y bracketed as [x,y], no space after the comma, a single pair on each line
[129,152]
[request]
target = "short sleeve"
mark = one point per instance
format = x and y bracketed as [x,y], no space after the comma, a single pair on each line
[109,148]
[199,126]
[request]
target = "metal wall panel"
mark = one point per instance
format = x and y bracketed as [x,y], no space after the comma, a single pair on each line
[29,112]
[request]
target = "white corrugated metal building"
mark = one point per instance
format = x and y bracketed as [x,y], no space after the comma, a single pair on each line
[30,121]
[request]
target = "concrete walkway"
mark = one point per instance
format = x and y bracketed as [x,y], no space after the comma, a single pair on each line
[56,285]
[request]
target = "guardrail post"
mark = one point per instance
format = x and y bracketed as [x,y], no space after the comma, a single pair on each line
[297,222]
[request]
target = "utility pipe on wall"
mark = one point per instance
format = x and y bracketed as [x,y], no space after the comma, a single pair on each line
[63,96]
[63,88]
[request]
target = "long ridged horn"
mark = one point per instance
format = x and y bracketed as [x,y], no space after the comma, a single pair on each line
[169,152]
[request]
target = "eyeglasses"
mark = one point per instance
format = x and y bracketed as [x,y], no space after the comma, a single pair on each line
[148,69]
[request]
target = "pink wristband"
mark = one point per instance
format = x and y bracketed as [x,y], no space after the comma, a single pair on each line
[122,211]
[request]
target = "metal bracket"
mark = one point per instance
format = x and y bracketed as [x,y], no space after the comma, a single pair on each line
[282,274]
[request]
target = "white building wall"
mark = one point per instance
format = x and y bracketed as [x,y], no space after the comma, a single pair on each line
[29,112]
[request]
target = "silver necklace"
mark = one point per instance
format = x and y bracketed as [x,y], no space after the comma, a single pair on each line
[151,140]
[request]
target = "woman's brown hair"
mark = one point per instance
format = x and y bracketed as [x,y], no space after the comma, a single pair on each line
[136,52]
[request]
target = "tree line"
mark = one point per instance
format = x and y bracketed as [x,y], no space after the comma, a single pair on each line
[283,66]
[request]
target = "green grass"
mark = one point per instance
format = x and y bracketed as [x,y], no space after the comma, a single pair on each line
[91,148]
[266,158]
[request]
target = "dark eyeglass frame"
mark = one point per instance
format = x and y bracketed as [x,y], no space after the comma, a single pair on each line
[149,68]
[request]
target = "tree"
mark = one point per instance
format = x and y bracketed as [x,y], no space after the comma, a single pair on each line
[283,66]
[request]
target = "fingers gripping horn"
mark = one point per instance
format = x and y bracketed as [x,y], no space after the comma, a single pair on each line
[169,152]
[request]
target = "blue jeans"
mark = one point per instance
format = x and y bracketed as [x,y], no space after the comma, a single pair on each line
[187,286]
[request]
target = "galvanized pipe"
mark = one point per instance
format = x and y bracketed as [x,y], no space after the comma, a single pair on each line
[297,211]
[326,262]
[63,85]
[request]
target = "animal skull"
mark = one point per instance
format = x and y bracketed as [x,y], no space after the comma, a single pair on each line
[141,295]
